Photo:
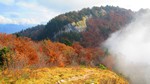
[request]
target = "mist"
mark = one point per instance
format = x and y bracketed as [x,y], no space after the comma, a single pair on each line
[130,47]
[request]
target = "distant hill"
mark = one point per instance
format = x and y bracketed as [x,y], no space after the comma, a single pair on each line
[88,26]
[12,28]
[32,32]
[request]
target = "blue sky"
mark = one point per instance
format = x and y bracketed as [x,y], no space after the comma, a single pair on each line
[41,11]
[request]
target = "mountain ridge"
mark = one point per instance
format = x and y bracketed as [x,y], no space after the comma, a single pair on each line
[103,20]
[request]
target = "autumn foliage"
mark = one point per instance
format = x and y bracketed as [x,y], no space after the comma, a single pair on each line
[99,29]
[23,52]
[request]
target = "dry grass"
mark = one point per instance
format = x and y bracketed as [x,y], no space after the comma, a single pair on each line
[56,75]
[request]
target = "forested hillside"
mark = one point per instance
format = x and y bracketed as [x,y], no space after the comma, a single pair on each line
[88,26]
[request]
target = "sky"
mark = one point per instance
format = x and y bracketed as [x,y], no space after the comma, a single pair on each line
[41,11]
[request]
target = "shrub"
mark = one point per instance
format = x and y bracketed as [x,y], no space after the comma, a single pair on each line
[4,57]
[102,66]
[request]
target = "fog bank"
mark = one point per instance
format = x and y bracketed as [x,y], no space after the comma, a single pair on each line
[130,46]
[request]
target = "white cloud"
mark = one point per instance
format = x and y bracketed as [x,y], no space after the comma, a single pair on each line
[29,13]
[79,4]
[5,20]
[68,5]
[37,11]
[135,5]
[7,2]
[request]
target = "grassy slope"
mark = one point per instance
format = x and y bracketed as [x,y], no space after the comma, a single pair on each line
[71,75]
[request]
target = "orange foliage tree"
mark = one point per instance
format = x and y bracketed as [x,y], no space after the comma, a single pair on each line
[25,52]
